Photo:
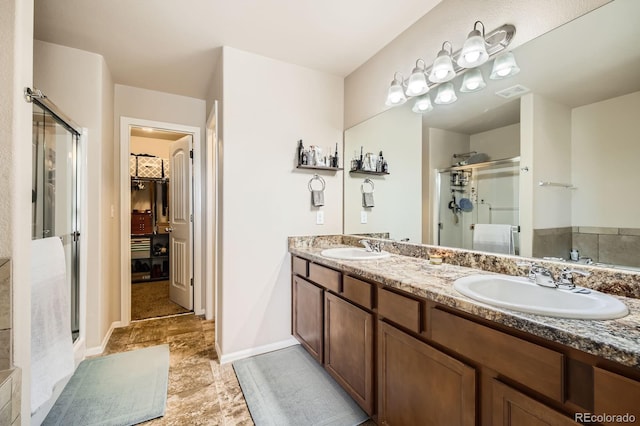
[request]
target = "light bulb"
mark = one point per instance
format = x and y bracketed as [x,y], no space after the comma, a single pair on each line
[395,95]
[472,81]
[422,104]
[504,66]
[446,94]
[473,85]
[472,56]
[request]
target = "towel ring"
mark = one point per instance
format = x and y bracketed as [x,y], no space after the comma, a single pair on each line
[367,181]
[318,178]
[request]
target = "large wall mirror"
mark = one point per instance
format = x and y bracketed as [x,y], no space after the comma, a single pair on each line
[556,160]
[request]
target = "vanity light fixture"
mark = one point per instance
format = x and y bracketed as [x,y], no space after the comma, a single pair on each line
[474,51]
[417,84]
[446,94]
[396,96]
[422,104]
[477,49]
[504,66]
[472,81]
[442,69]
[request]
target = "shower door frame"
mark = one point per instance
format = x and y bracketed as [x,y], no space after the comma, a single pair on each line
[79,212]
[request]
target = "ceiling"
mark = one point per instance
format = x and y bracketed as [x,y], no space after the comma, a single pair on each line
[173,46]
[151,133]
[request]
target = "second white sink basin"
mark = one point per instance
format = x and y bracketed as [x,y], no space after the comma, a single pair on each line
[522,295]
[353,253]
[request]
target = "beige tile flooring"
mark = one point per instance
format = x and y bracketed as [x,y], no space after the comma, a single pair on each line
[151,300]
[201,391]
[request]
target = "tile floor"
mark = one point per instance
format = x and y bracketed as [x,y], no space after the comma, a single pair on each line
[201,391]
[151,300]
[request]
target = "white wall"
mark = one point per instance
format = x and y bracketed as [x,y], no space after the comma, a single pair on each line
[604,163]
[398,134]
[80,84]
[151,105]
[503,142]
[265,197]
[366,87]
[546,150]
[16,68]
[442,145]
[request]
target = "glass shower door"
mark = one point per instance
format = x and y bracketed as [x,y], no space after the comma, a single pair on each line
[55,193]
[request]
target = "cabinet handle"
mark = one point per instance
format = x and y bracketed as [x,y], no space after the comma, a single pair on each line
[169,229]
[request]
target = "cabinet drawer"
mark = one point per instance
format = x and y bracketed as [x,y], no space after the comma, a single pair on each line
[328,278]
[400,309]
[357,291]
[300,266]
[615,394]
[511,407]
[534,366]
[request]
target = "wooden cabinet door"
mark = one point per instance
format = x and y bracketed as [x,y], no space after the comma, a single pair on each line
[512,408]
[348,349]
[307,319]
[419,385]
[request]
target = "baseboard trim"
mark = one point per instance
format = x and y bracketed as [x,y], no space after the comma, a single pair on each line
[97,350]
[234,356]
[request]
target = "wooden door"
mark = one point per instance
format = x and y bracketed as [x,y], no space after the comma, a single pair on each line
[348,348]
[308,316]
[513,408]
[419,385]
[181,220]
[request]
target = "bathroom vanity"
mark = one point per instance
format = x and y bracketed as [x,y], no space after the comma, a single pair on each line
[411,350]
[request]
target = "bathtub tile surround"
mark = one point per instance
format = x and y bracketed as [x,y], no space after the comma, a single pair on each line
[10,378]
[616,246]
[5,314]
[10,388]
[617,340]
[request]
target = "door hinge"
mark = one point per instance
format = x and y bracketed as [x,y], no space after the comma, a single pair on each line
[190,218]
[191,154]
[191,282]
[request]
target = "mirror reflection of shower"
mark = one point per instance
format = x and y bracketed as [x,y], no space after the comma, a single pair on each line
[473,194]
[54,191]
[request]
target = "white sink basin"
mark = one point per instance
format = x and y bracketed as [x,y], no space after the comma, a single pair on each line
[353,253]
[522,295]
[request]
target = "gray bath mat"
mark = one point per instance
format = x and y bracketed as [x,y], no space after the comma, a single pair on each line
[288,387]
[121,389]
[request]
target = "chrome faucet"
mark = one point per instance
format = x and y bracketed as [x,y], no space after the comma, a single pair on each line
[372,246]
[543,276]
[566,278]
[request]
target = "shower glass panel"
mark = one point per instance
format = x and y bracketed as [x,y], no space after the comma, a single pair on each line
[54,197]
[487,195]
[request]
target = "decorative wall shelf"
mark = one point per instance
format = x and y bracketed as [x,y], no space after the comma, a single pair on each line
[368,172]
[302,166]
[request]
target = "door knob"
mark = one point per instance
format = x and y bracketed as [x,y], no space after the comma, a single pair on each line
[169,229]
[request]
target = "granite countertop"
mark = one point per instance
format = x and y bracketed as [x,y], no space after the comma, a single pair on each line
[617,340]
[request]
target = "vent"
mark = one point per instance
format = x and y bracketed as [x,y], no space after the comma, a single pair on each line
[513,91]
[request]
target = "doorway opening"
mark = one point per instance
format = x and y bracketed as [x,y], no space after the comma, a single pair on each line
[159,244]
[151,186]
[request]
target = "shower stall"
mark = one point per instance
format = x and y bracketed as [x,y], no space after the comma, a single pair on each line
[481,193]
[55,190]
